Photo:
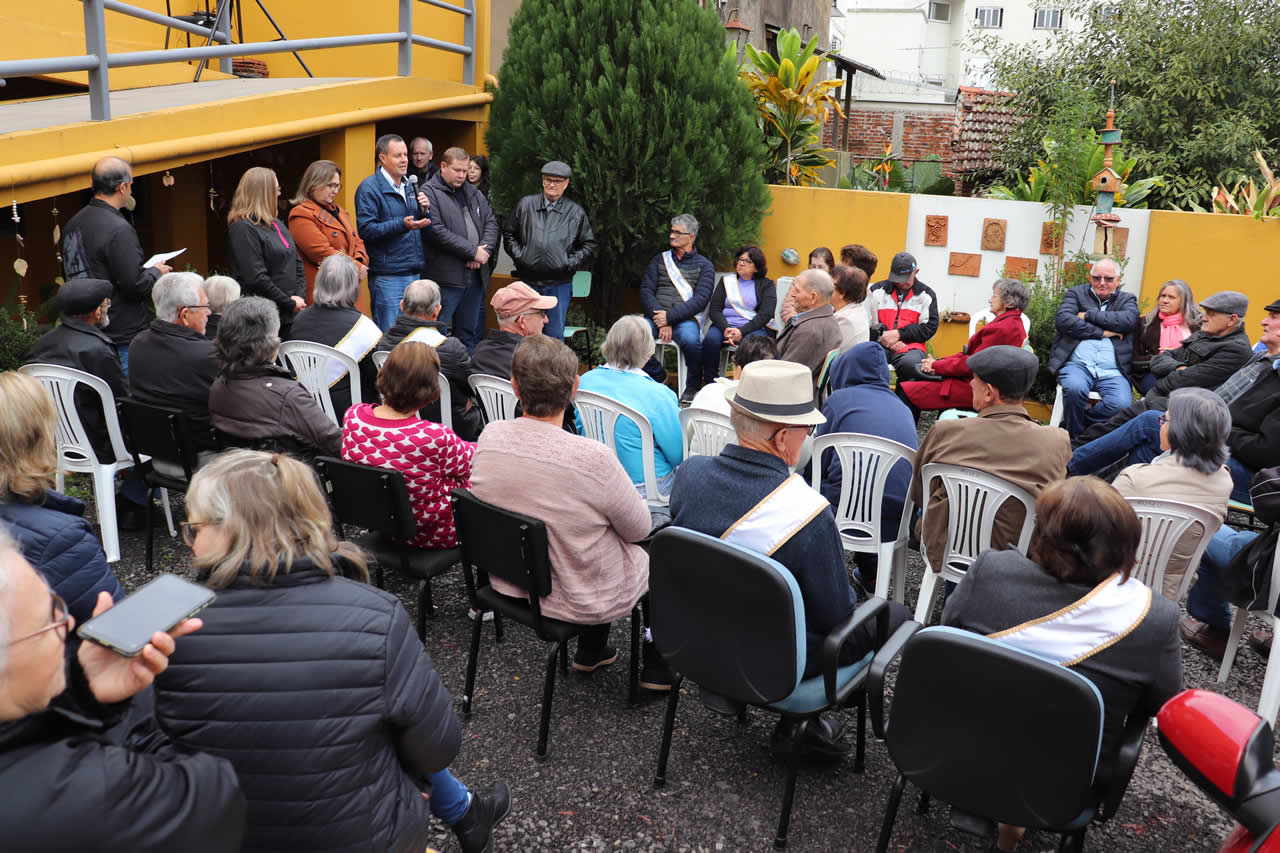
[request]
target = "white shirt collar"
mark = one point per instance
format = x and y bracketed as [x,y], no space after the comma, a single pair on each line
[635,370]
[392,181]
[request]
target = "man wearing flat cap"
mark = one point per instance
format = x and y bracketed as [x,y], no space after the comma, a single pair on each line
[1002,440]
[549,238]
[748,496]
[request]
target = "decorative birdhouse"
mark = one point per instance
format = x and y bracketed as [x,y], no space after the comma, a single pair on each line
[1107,181]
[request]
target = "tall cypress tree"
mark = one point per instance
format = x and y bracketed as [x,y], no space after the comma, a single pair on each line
[639,98]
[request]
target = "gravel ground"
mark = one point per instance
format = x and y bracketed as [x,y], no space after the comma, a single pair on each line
[595,789]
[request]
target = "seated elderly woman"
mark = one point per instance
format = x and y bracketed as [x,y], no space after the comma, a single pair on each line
[742,304]
[626,348]
[711,395]
[335,321]
[50,527]
[297,658]
[221,291]
[950,387]
[1076,573]
[254,401]
[432,458]
[849,301]
[1192,469]
[1162,329]
[579,488]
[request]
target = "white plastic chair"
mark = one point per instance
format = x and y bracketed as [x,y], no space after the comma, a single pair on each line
[599,415]
[782,285]
[75,450]
[973,499]
[317,367]
[1164,522]
[705,432]
[682,369]
[1269,700]
[446,393]
[865,463]
[380,357]
[1055,417]
[497,398]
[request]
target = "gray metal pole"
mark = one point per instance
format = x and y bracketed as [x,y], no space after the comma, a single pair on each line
[449,46]
[157,18]
[469,39]
[182,54]
[95,44]
[224,64]
[406,46]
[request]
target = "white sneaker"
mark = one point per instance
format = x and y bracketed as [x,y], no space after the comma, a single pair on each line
[471,614]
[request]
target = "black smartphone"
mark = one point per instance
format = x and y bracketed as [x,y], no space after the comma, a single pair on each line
[158,606]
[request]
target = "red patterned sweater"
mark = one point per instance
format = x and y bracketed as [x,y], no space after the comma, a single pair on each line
[432,458]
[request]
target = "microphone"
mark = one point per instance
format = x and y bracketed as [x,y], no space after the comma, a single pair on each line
[413,190]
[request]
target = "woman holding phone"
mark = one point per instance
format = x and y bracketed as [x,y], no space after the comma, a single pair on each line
[299,657]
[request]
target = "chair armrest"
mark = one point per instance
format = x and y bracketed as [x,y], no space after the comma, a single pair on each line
[872,607]
[1135,730]
[879,666]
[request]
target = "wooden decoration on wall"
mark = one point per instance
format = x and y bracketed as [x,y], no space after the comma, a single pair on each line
[935,230]
[993,232]
[965,263]
[1111,241]
[1050,242]
[1018,267]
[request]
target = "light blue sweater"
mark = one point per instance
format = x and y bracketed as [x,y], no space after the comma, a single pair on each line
[656,402]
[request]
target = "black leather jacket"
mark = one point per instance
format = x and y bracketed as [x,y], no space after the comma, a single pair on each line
[548,242]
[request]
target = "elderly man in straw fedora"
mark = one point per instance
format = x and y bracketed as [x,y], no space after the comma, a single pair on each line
[748,496]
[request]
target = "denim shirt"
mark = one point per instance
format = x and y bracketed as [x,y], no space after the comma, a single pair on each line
[1097,356]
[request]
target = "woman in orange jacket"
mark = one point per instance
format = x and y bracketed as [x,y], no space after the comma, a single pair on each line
[319,227]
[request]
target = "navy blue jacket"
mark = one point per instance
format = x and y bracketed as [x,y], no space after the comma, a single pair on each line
[862,402]
[697,270]
[380,212]
[60,544]
[712,492]
[1121,316]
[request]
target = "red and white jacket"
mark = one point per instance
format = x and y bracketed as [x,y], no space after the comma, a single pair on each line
[914,313]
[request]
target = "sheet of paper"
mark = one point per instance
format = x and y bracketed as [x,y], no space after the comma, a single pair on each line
[161,258]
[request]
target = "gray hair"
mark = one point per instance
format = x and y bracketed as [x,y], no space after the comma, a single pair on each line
[1191,310]
[337,282]
[687,222]
[749,427]
[1013,293]
[1199,423]
[248,335]
[816,281]
[421,297]
[222,290]
[1106,259]
[8,565]
[174,291]
[629,342]
[430,148]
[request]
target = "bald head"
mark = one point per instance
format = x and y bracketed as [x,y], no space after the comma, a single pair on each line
[813,288]
[112,180]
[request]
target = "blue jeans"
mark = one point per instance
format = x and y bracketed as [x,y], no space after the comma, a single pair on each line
[450,799]
[387,291]
[1204,601]
[1138,439]
[688,337]
[711,351]
[556,316]
[1241,480]
[124,357]
[1077,383]
[462,308]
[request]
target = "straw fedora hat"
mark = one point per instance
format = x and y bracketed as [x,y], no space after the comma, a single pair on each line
[780,392]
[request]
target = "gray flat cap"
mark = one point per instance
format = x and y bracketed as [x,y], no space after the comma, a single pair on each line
[82,295]
[557,169]
[1226,302]
[1011,370]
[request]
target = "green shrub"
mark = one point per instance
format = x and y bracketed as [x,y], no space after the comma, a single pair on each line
[18,333]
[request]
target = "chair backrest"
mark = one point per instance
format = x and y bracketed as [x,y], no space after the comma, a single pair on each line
[581,284]
[503,544]
[730,619]
[1164,522]
[782,285]
[75,450]
[599,416]
[160,432]
[973,499]
[705,432]
[865,463]
[1020,737]
[367,496]
[497,398]
[446,393]
[380,357]
[317,367]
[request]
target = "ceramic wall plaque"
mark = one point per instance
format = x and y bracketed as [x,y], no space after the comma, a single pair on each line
[965,263]
[935,230]
[993,232]
[1018,267]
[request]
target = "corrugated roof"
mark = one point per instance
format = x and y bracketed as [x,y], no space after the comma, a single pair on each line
[983,119]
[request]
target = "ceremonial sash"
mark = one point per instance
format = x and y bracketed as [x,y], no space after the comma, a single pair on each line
[1080,630]
[681,285]
[357,343]
[779,516]
[426,335]
[733,295]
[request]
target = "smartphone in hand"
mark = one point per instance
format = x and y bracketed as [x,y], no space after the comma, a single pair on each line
[158,606]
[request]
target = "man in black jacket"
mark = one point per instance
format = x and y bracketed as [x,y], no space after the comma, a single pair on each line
[463,233]
[98,242]
[419,310]
[80,767]
[549,238]
[521,312]
[421,165]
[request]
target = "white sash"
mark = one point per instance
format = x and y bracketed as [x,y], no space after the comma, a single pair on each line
[357,343]
[779,516]
[425,335]
[682,286]
[733,295]
[1080,630]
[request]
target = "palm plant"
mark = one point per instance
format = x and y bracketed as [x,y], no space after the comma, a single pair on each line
[1248,199]
[1036,184]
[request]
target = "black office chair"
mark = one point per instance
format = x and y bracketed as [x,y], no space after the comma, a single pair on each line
[999,734]
[377,500]
[732,620]
[165,435]
[513,547]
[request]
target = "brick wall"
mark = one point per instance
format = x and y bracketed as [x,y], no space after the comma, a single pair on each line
[921,134]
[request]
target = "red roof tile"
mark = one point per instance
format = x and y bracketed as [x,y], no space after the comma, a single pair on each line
[983,119]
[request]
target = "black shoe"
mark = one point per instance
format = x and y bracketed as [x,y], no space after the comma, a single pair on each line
[816,738]
[655,674]
[689,393]
[718,704]
[475,828]
[589,662]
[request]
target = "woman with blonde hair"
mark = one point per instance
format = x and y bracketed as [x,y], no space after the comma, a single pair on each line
[49,526]
[263,258]
[320,227]
[311,682]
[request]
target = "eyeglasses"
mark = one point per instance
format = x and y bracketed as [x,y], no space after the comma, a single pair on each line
[681,233]
[744,261]
[336,185]
[549,179]
[190,530]
[58,619]
[537,311]
[1106,278]
[197,307]
[808,429]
